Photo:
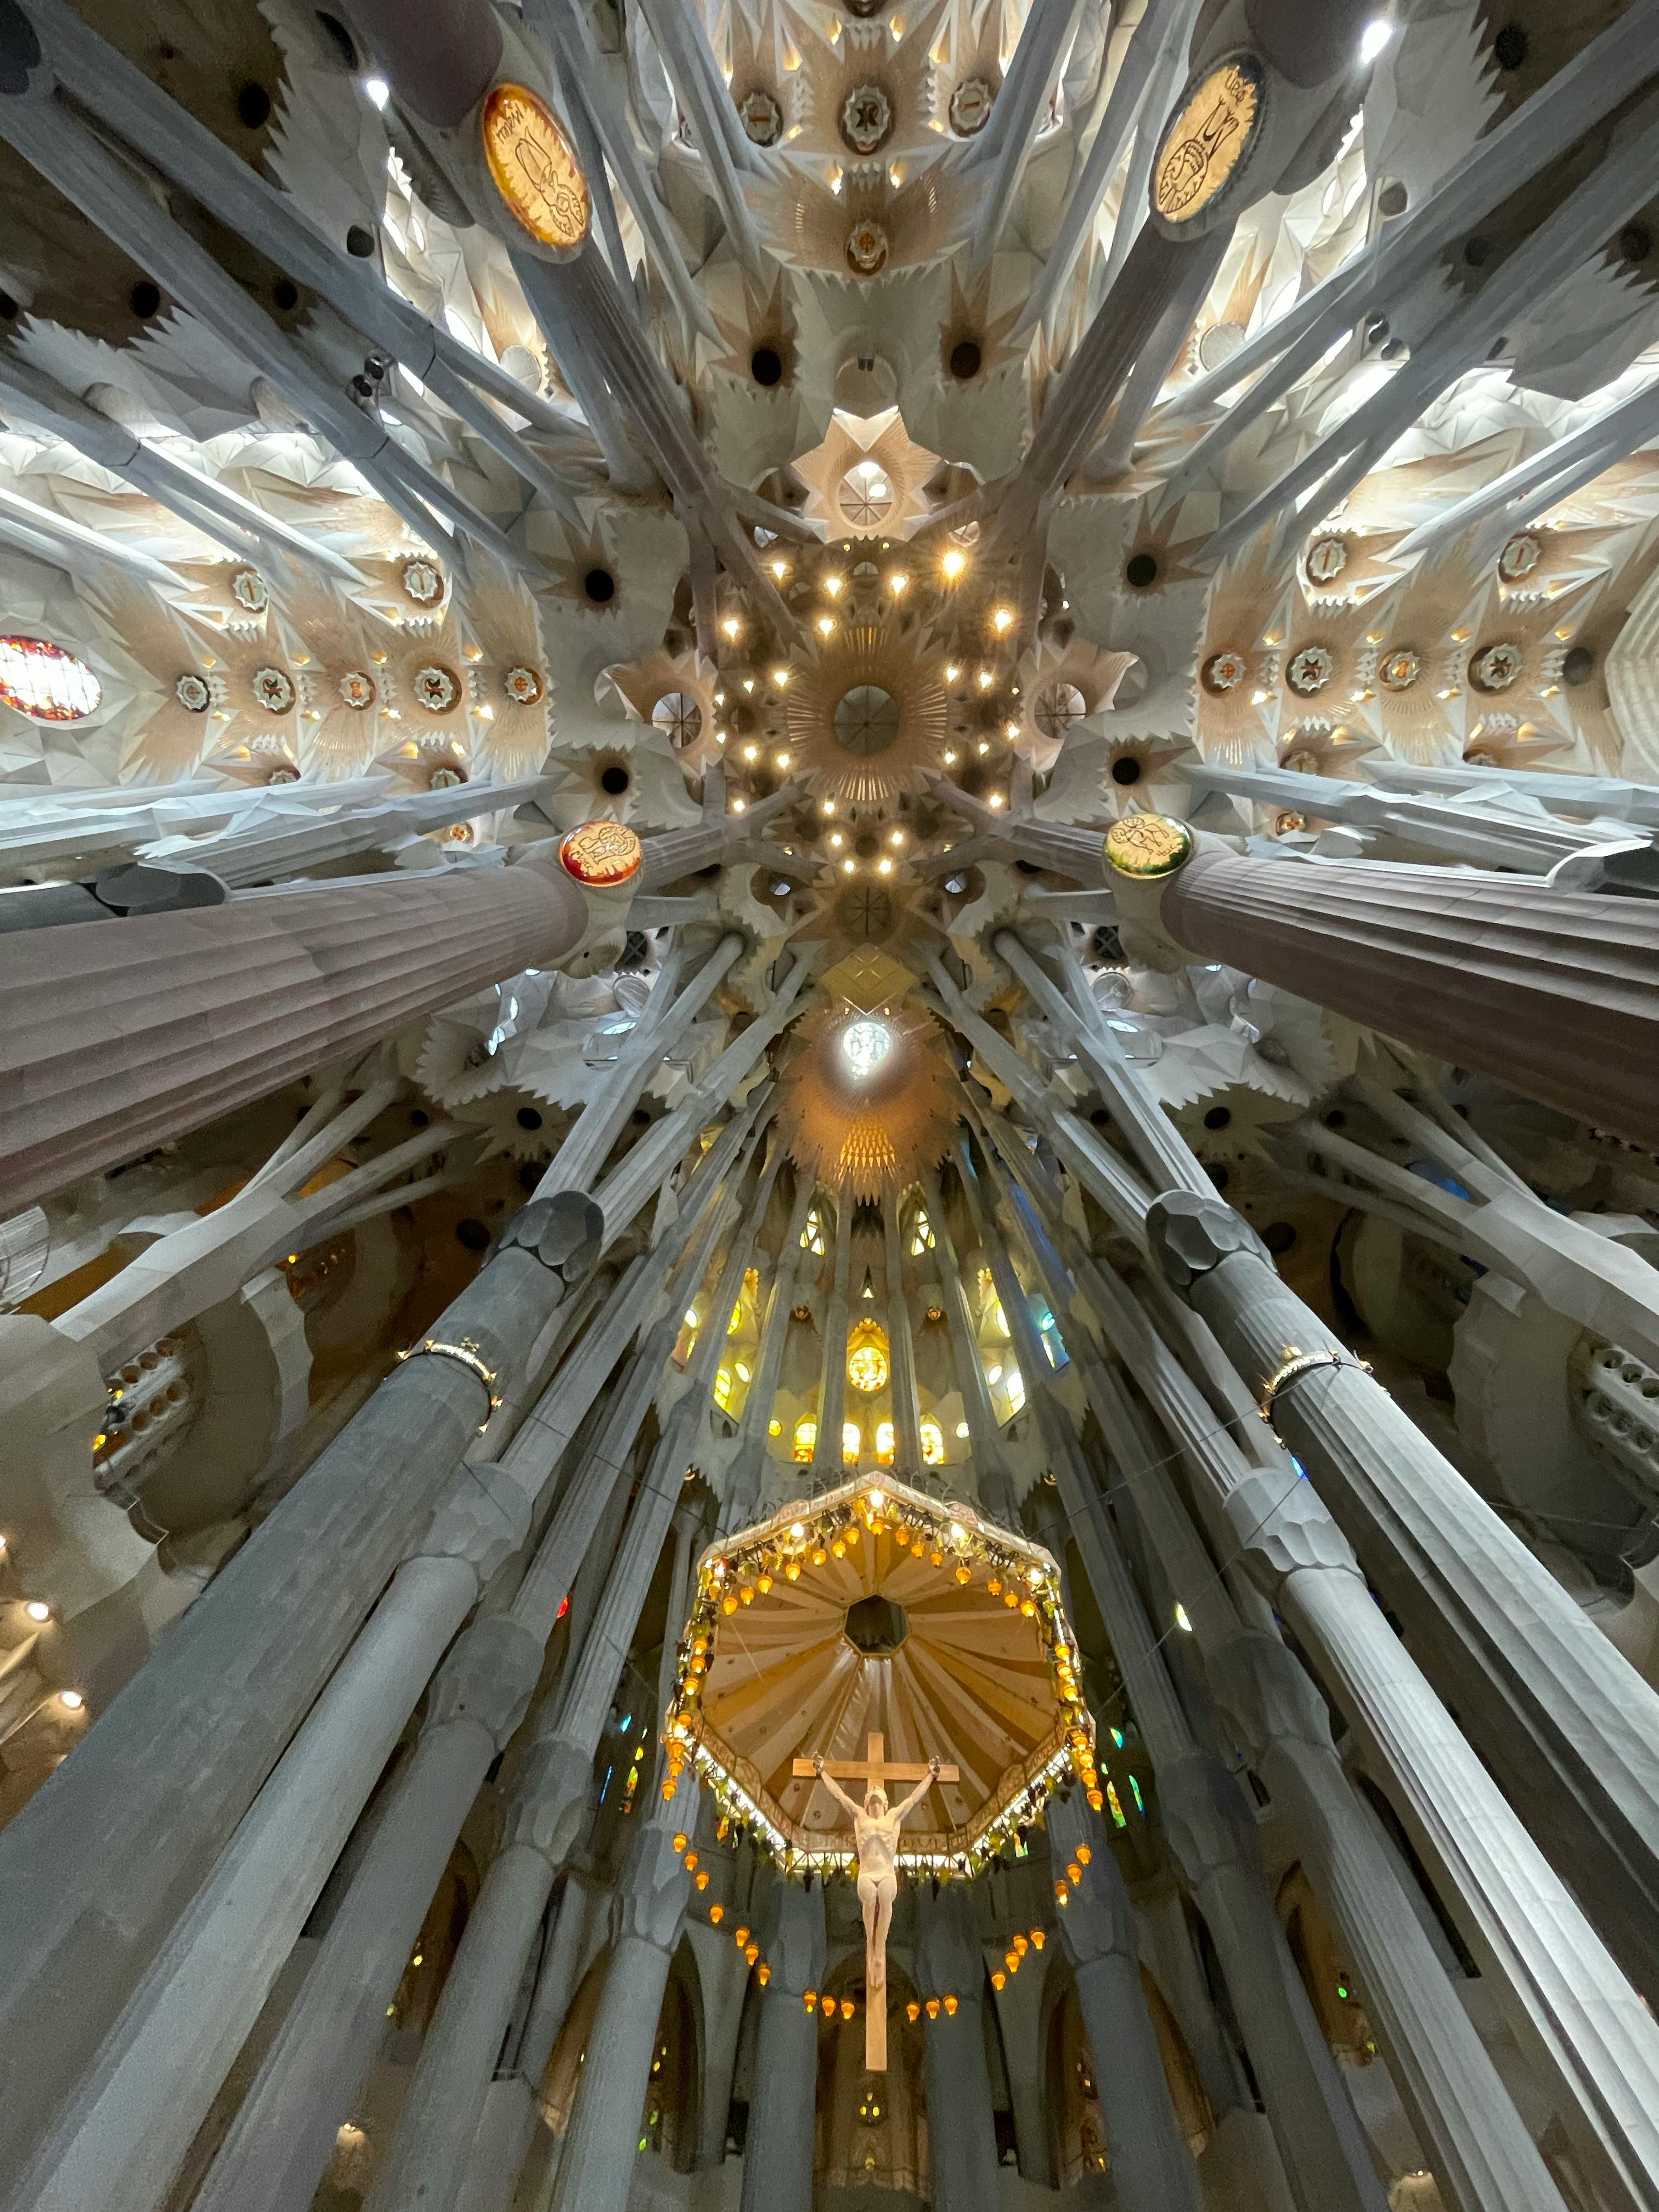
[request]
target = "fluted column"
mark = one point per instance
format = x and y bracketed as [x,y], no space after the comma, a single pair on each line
[429,2157]
[284,2133]
[601,2144]
[906,1406]
[832,1370]
[962,2140]
[1151,2162]
[1320,2143]
[1555,992]
[746,1483]
[105,1858]
[983,1433]
[116,1038]
[779,2151]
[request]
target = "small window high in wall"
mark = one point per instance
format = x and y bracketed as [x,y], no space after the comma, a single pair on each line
[42,681]
[811,1238]
[921,1234]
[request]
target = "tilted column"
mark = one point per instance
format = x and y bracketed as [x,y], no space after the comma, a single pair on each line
[666,1017]
[601,2144]
[783,2139]
[1531,1678]
[1323,2149]
[962,2137]
[747,1482]
[282,2137]
[429,2157]
[906,1407]
[1554,992]
[995,1492]
[105,1858]
[1151,2162]
[832,1370]
[1446,2078]
[118,1037]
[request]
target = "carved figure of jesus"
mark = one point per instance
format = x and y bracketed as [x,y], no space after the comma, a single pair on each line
[875,1838]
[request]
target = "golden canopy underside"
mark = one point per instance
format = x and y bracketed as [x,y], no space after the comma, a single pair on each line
[979,1683]
[880,1133]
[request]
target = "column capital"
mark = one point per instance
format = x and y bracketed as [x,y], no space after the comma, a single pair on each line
[1261,1685]
[564,1232]
[1285,1527]
[1190,1234]
[489,1677]
[650,1899]
[546,1814]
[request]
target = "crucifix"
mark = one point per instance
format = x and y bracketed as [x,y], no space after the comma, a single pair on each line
[875,1835]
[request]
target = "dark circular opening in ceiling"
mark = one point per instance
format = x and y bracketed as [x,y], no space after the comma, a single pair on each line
[1635,242]
[1510,48]
[339,38]
[527,1117]
[1217,1117]
[1579,666]
[9,308]
[1140,570]
[285,294]
[472,1234]
[877,1627]
[600,587]
[253,106]
[614,780]
[866,719]
[966,360]
[1127,768]
[360,242]
[145,298]
[1279,1237]
[766,365]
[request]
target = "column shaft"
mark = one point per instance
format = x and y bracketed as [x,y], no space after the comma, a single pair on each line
[601,2145]
[961,2138]
[832,1371]
[119,1038]
[907,1409]
[1555,992]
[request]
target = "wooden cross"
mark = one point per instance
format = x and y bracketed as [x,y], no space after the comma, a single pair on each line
[875,1767]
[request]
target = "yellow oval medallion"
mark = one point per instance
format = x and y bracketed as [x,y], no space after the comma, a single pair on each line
[533,166]
[601,854]
[1204,145]
[1148,845]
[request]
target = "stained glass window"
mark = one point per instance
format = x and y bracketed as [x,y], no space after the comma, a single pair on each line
[932,1443]
[42,681]
[806,1437]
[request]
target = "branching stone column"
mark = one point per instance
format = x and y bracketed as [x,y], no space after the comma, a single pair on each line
[1555,992]
[778,2152]
[832,1369]
[116,1038]
[1151,2162]
[746,1483]
[906,1406]
[995,1491]
[1326,2160]
[429,2158]
[961,2132]
[600,2149]
[283,2133]
[106,1859]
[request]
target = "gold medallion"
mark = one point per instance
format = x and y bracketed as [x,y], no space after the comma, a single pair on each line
[1148,845]
[602,854]
[1204,145]
[534,168]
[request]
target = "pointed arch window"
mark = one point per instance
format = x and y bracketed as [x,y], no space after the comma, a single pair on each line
[811,1238]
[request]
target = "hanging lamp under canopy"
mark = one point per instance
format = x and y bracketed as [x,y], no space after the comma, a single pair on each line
[876,1610]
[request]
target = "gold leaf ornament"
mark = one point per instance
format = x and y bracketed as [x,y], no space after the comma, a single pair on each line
[534,167]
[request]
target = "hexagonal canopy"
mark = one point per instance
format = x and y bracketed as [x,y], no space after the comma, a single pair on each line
[877,1609]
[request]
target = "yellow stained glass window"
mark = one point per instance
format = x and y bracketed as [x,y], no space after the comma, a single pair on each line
[885,1443]
[852,1441]
[921,1234]
[868,1361]
[723,1389]
[932,1443]
[806,1437]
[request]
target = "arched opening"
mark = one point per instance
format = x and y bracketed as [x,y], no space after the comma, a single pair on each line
[872,2128]
[669,2118]
[557,2093]
[1318,1956]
